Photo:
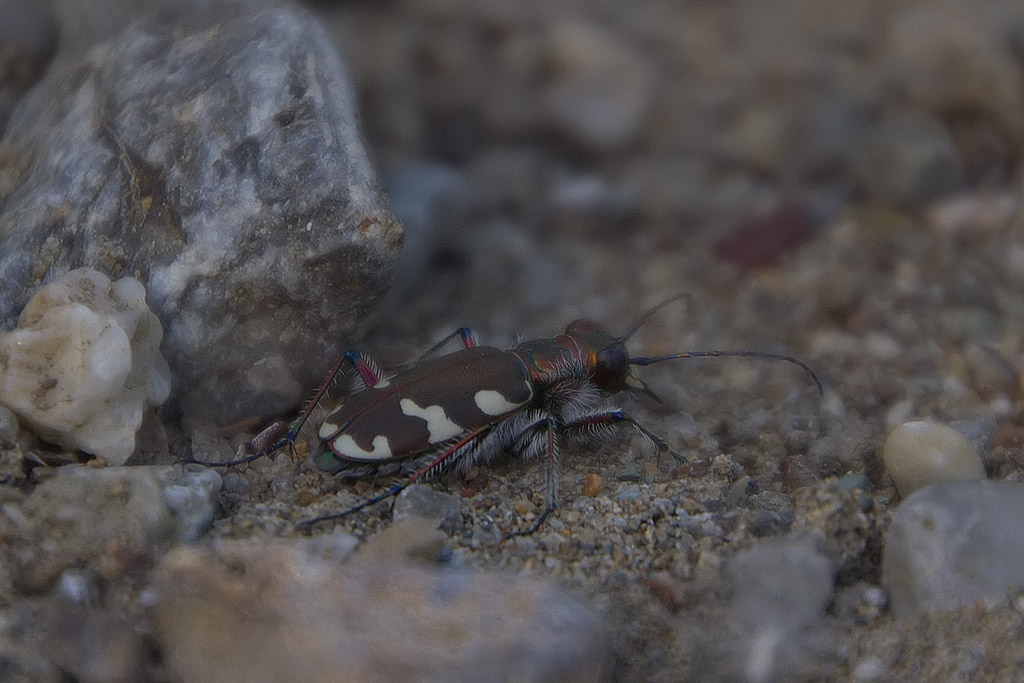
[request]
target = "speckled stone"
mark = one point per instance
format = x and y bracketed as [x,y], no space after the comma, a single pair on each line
[8,427]
[774,621]
[784,582]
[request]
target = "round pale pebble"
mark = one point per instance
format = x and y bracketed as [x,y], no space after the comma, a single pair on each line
[922,453]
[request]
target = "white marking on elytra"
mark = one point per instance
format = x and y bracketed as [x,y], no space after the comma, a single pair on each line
[439,426]
[327,430]
[382,383]
[491,402]
[346,446]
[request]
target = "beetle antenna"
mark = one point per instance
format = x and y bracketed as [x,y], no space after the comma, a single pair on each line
[744,354]
[652,310]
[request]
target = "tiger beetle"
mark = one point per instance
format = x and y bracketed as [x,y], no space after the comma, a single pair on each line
[478,402]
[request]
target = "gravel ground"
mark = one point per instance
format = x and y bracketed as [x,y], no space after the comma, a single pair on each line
[647,540]
[902,286]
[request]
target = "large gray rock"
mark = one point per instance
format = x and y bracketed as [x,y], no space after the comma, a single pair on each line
[955,544]
[219,163]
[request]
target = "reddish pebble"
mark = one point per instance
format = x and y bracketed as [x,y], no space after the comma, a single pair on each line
[795,474]
[525,507]
[475,485]
[1010,436]
[667,590]
[593,485]
[762,240]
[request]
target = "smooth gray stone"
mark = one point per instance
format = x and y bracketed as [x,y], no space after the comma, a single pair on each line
[954,544]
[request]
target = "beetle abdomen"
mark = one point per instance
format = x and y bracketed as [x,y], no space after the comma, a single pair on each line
[419,409]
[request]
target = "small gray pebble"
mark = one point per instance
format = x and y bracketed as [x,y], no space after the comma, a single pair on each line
[980,431]
[236,484]
[192,497]
[78,587]
[421,500]
[628,494]
[853,481]
[770,522]
[631,472]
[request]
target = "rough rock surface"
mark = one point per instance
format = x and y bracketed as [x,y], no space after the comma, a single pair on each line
[257,612]
[112,520]
[84,363]
[954,544]
[28,40]
[220,164]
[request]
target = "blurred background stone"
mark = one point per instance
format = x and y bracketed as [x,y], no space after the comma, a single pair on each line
[955,544]
[280,614]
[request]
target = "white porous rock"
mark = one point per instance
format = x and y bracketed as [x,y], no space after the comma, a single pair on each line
[84,362]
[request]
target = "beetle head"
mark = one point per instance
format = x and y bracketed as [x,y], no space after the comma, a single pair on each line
[605,356]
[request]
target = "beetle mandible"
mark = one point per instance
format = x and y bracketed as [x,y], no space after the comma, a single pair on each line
[473,404]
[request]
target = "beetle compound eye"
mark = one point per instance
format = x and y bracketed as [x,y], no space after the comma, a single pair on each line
[612,365]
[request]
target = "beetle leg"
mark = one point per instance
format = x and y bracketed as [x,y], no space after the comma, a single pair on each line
[368,371]
[442,460]
[369,374]
[597,422]
[469,340]
[467,335]
[267,441]
[543,438]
